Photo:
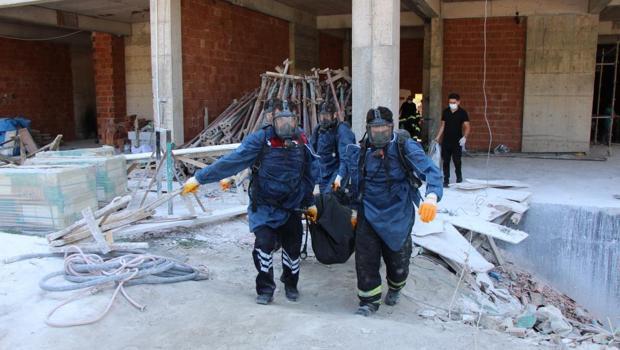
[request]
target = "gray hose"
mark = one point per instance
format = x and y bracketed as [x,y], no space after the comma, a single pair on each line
[90,272]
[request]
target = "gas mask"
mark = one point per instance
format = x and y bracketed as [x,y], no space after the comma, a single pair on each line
[285,123]
[326,120]
[379,130]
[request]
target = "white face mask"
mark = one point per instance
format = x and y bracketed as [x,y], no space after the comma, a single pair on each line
[453,106]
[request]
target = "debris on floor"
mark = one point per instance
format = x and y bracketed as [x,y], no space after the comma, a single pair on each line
[473,215]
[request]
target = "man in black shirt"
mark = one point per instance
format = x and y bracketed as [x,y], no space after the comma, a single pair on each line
[455,130]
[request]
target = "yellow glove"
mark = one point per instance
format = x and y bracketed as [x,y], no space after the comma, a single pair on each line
[190,186]
[225,184]
[336,184]
[354,219]
[312,213]
[428,209]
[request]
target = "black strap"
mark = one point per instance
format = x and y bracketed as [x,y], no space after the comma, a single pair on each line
[254,181]
[402,137]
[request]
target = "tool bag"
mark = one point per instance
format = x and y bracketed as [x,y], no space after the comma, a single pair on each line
[333,238]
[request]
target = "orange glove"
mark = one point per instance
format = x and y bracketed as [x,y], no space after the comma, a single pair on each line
[225,184]
[428,209]
[312,213]
[336,183]
[354,219]
[190,186]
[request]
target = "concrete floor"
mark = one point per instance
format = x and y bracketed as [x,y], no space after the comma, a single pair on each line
[220,313]
[573,182]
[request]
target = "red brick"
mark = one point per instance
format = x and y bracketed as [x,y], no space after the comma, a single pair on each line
[38,75]
[463,62]
[110,93]
[411,55]
[330,51]
[225,48]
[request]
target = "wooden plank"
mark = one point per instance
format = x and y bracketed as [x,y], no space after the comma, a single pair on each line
[26,138]
[95,230]
[498,183]
[496,251]
[478,225]
[452,245]
[507,205]
[116,204]
[191,161]
[201,219]
[94,248]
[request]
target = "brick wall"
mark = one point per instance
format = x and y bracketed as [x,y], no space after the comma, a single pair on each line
[225,48]
[109,68]
[411,53]
[463,72]
[330,51]
[37,76]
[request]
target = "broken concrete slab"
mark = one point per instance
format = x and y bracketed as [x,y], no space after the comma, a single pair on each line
[452,245]
[552,321]
[481,226]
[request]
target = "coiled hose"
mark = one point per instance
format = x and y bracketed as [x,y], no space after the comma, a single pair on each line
[92,272]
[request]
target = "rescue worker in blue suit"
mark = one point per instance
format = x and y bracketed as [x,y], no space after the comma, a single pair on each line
[386,189]
[330,139]
[282,182]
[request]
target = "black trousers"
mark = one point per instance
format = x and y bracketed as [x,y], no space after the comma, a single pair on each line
[454,152]
[290,235]
[369,248]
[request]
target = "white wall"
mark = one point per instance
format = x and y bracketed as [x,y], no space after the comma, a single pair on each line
[138,71]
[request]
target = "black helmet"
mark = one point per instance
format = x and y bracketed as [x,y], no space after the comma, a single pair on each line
[327,118]
[272,104]
[379,126]
[285,122]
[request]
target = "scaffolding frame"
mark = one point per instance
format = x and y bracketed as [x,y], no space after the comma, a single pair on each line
[597,117]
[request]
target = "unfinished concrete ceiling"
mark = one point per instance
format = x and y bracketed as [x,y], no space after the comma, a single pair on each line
[321,7]
[611,13]
[128,11]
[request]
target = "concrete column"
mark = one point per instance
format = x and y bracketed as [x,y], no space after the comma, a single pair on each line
[435,87]
[376,58]
[166,66]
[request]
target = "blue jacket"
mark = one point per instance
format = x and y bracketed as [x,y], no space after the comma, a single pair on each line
[388,199]
[331,145]
[285,178]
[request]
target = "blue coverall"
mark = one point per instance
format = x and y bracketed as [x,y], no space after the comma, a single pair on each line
[282,183]
[386,207]
[330,144]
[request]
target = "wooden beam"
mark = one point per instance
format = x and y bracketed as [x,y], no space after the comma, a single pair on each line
[95,230]
[596,6]
[15,3]
[426,9]
[49,17]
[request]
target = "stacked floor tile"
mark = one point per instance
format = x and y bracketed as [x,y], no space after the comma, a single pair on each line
[111,170]
[44,198]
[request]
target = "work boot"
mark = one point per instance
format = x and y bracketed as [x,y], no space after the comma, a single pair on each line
[264,299]
[292,294]
[367,309]
[392,296]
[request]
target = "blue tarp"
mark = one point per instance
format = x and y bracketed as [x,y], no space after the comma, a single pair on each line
[9,124]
